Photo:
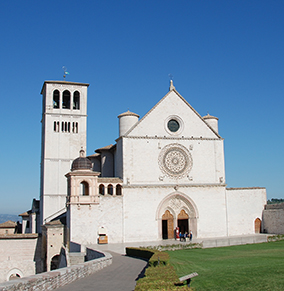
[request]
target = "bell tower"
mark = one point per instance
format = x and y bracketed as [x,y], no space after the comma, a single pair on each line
[64,127]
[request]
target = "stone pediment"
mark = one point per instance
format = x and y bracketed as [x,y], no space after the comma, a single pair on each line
[172,117]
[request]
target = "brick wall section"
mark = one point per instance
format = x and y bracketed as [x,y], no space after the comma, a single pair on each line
[57,278]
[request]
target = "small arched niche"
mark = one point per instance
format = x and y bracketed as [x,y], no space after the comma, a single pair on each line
[110,189]
[102,189]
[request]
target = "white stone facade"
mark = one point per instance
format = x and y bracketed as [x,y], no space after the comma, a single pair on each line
[170,166]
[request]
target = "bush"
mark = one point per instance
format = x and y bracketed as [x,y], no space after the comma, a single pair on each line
[277,237]
[159,275]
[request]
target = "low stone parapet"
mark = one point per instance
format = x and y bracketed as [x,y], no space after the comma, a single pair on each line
[57,278]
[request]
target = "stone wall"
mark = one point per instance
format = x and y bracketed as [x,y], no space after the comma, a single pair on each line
[244,206]
[273,218]
[19,255]
[57,278]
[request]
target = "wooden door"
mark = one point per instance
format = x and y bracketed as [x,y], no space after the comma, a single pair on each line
[170,224]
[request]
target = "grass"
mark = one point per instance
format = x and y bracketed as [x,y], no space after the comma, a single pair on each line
[246,267]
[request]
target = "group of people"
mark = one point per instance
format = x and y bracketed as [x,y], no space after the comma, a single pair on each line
[183,236]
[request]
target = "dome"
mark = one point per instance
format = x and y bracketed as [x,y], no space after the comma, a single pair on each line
[81,163]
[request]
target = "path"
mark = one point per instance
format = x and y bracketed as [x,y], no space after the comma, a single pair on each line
[121,275]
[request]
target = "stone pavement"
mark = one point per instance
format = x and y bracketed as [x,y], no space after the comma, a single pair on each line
[121,275]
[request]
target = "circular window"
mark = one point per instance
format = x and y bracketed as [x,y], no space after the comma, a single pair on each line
[173,125]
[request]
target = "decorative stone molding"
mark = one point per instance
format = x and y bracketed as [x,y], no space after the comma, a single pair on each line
[171,186]
[177,202]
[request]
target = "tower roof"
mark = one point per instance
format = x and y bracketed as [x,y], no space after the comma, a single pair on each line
[81,163]
[208,116]
[128,113]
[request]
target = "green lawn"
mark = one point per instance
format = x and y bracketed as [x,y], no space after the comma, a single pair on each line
[246,267]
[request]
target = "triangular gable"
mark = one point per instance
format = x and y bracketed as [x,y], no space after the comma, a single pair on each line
[172,104]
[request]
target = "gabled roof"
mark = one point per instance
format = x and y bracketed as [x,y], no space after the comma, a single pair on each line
[93,156]
[27,213]
[172,89]
[8,224]
[106,148]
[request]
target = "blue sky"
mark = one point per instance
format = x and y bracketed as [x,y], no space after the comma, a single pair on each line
[227,58]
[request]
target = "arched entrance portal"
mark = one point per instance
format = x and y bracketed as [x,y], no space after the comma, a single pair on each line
[167,225]
[176,210]
[183,222]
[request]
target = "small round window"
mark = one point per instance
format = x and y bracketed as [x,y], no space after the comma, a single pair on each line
[173,125]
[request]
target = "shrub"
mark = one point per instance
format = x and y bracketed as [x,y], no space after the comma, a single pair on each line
[159,275]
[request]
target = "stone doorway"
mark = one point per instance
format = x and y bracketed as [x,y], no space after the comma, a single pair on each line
[183,222]
[176,210]
[167,225]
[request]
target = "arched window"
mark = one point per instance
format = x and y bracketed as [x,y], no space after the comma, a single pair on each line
[84,188]
[76,100]
[66,100]
[102,189]
[110,189]
[55,99]
[118,189]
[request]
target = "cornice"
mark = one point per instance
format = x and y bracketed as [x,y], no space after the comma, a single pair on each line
[169,138]
[19,236]
[245,188]
[72,114]
[175,186]
[63,83]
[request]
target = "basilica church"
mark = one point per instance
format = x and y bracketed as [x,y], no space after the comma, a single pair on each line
[163,175]
[166,170]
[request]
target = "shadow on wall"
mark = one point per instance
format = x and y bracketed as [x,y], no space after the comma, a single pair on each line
[92,255]
[74,247]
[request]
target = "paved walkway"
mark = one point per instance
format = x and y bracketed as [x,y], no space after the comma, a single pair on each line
[121,275]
